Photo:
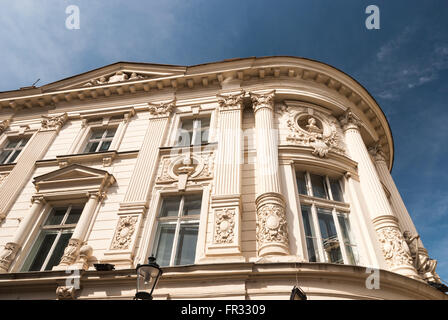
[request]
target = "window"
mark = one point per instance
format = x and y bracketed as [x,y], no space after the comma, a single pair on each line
[193,132]
[325,219]
[178,225]
[100,140]
[54,235]
[12,149]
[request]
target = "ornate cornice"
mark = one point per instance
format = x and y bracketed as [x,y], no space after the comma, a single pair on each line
[162,109]
[231,102]
[262,100]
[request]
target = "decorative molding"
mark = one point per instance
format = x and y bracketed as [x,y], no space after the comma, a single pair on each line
[7,255]
[311,128]
[162,109]
[49,123]
[71,252]
[231,102]
[3,177]
[65,293]
[224,226]
[262,100]
[124,232]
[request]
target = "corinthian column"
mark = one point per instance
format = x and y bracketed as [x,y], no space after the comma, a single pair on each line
[398,206]
[9,253]
[394,247]
[226,197]
[272,234]
[34,150]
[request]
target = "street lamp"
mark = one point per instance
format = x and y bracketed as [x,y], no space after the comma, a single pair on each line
[147,277]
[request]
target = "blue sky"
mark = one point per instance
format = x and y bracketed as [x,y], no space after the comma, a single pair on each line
[404,65]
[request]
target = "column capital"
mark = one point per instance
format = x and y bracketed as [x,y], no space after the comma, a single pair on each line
[231,102]
[161,110]
[376,151]
[53,123]
[349,120]
[97,195]
[37,199]
[262,100]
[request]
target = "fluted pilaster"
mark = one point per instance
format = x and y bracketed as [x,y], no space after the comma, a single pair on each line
[34,150]
[226,197]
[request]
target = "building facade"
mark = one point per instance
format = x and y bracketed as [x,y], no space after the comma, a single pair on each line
[243,178]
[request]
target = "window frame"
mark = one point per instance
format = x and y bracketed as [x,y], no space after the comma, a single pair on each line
[335,207]
[101,140]
[177,220]
[59,229]
[8,140]
[194,131]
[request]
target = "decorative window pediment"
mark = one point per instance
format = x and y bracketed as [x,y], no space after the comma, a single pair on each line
[73,180]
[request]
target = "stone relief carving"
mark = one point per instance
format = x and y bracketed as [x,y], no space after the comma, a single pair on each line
[3,177]
[71,252]
[425,266]
[162,109]
[377,152]
[349,120]
[311,128]
[195,166]
[54,122]
[7,255]
[225,225]
[4,125]
[65,293]
[119,76]
[271,224]
[123,234]
[395,249]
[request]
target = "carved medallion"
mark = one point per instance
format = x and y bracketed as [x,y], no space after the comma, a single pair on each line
[311,128]
[225,225]
[125,231]
[271,224]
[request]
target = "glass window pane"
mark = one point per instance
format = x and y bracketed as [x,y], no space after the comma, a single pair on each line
[301,183]
[74,215]
[192,205]
[105,145]
[97,134]
[4,155]
[59,250]
[336,190]
[14,156]
[56,216]
[91,147]
[186,246]
[204,135]
[318,185]
[41,249]
[12,143]
[184,137]
[110,132]
[170,207]
[24,142]
[165,244]
[311,243]
[329,236]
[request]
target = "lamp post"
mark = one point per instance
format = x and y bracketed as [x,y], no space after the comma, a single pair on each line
[297,294]
[147,277]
